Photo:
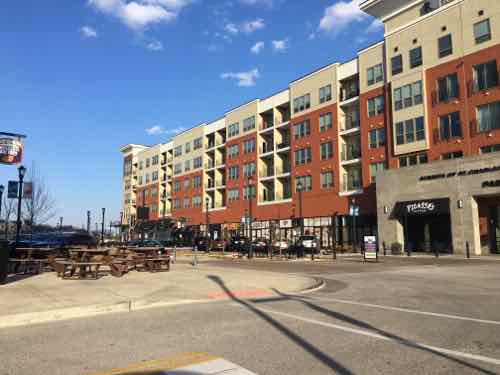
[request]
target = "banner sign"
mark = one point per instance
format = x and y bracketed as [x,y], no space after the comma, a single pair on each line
[370,247]
[12,189]
[28,190]
[11,151]
[423,207]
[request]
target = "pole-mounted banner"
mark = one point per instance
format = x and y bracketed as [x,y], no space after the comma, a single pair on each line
[11,148]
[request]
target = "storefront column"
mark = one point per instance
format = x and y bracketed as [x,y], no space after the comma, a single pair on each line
[390,230]
[464,216]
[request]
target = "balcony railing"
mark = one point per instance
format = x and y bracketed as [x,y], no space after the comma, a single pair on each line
[266,172]
[283,170]
[432,5]
[284,144]
[350,123]
[267,147]
[210,164]
[268,196]
[349,92]
[350,153]
[266,124]
[283,195]
[351,183]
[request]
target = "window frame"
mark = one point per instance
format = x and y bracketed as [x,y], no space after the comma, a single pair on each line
[326,125]
[485,37]
[397,59]
[324,94]
[329,182]
[449,50]
[327,152]
[419,58]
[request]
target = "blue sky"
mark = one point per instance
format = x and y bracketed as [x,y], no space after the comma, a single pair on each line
[83,77]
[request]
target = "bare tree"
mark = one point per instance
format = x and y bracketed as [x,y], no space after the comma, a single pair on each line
[40,208]
[8,209]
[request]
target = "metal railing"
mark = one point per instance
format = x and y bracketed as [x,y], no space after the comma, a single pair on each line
[351,183]
[267,147]
[283,170]
[350,153]
[266,172]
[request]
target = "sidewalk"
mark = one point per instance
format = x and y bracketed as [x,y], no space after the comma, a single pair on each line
[46,297]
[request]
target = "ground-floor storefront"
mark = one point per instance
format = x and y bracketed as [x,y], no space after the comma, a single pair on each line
[447,206]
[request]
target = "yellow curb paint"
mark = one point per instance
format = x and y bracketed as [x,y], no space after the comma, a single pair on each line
[166,364]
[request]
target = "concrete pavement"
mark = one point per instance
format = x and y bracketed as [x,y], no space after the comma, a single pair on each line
[45,297]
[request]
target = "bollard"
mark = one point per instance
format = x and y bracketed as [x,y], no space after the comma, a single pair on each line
[334,252]
[467,249]
[4,261]
[175,254]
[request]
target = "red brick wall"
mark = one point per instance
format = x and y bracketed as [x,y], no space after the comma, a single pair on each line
[194,215]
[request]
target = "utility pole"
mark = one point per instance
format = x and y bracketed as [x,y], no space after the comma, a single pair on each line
[102,226]
[88,222]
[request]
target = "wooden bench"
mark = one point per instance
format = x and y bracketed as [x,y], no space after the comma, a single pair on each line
[26,266]
[69,269]
[157,264]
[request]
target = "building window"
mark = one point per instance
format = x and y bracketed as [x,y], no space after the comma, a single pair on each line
[410,131]
[177,204]
[147,178]
[376,106]
[155,160]
[141,165]
[233,130]
[415,57]
[140,180]
[448,87]
[327,180]
[249,169]
[196,182]
[408,96]
[488,117]
[249,146]
[325,94]
[375,74]
[377,138]
[249,124]
[449,126]
[452,155]
[234,172]
[178,168]
[148,162]
[397,64]
[249,191]
[485,76]
[187,202]
[187,147]
[233,151]
[375,168]
[325,122]
[187,165]
[303,156]
[187,183]
[178,151]
[326,150]
[196,201]
[154,176]
[197,162]
[302,103]
[482,31]
[410,160]
[198,143]
[445,46]
[177,186]
[490,148]
[305,181]
[302,129]
[233,195]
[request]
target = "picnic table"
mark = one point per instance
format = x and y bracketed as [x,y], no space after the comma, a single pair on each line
[84,255]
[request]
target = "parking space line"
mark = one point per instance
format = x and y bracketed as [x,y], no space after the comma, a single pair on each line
[378,336]
[400,309]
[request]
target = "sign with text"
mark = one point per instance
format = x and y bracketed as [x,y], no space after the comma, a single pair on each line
[370,248]
[11,151]
[423,207]
[12,189]
[28,190]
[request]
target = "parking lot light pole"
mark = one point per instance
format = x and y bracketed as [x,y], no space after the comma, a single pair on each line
[250,218]
[102,226]
[2,189]
[301,217]
[22,172]
[207,223]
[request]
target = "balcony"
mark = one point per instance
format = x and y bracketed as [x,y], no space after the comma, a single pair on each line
[431,5]
[268,196]
[350,153]
[267,173]
[349,90]
[210,164]
[284,195]
[267,125]
[267,148]
[351,184]
[283,170]
[350,124]
[283,145]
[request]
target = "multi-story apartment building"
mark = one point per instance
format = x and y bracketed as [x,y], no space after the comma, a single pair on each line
[377,132]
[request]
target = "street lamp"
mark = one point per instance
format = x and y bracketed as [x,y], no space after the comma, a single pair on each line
[2,189]
[299,190]
[207,223]
[352,211]
[102,226]
[250,218]
[22,173]
[60,223]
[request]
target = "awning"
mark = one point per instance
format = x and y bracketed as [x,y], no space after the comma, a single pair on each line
[422,207]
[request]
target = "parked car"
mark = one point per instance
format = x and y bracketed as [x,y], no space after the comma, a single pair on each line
[280,246]
[218,245]
[261,246]
[238,244]
[305,244]
[201,243]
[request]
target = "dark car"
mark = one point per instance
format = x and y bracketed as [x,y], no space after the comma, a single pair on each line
[201,243]
[218,245]
[260,246]
[239,244]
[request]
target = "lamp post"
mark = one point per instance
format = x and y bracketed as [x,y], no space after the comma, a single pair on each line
[88,222]
[22,172]
[250,218]
[121,226]
[207,223]
[300,189]
[354,231]
[60,223]
[102,226]
[2,188]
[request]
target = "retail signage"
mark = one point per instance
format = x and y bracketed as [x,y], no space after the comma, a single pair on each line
[13,189]
[28,190]
[468,172]
[423,207]
[370,248]
[353,210]
[11,150]
[488,184]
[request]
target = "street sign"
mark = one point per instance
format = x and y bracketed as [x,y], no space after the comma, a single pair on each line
[370,248]
[12,189]
[11,148]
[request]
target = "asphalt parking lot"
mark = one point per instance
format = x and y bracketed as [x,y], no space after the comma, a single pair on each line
[418,316]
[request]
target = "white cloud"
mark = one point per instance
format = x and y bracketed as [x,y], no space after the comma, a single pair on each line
[281,45]
[246,27]
[268,3]
[157,130]
[375,26]
[155,45]
[340,15]
[257,48]
[245,79]
[88,32]
[138,15]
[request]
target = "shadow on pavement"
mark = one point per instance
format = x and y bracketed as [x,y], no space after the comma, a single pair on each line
[307,346]
[361,324]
